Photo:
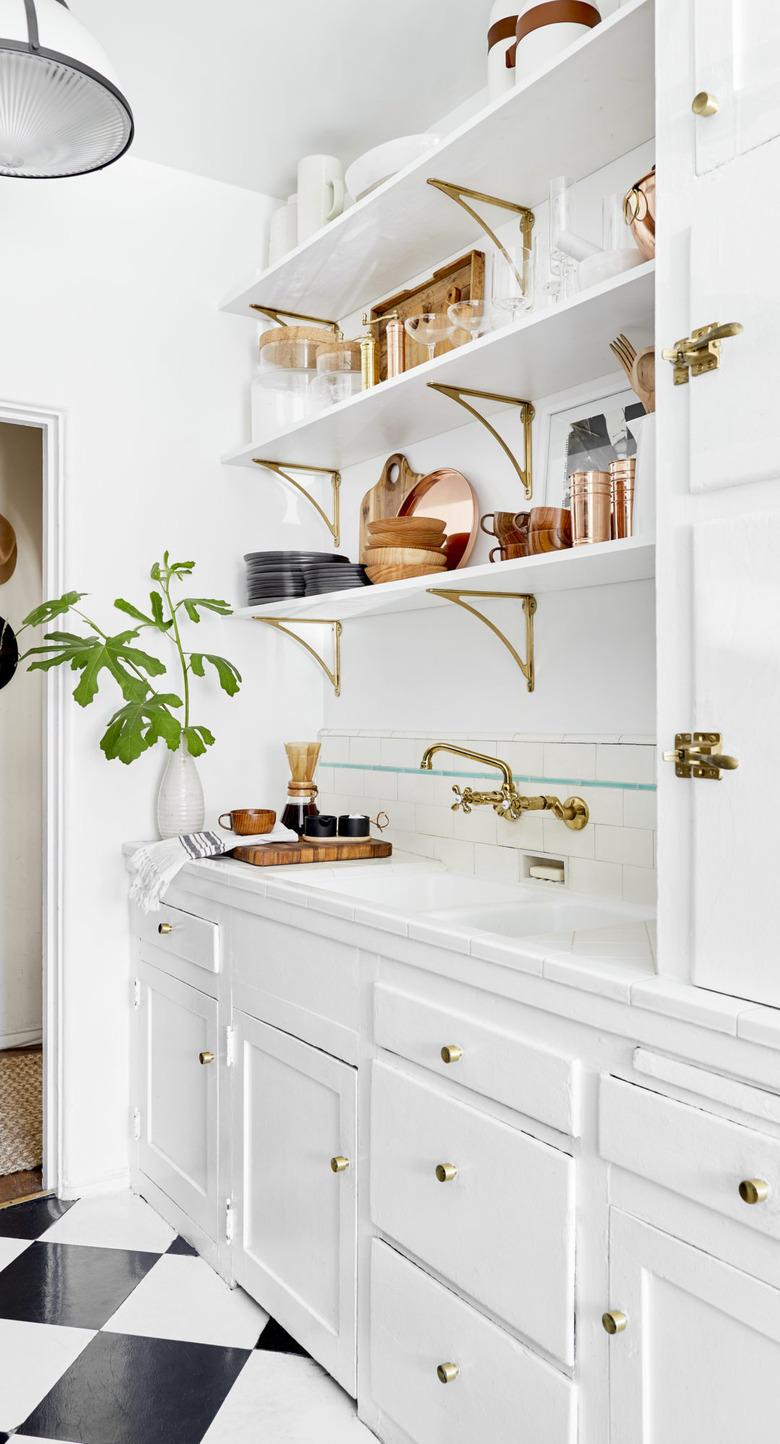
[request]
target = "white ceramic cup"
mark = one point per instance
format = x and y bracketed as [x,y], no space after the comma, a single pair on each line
[320,193]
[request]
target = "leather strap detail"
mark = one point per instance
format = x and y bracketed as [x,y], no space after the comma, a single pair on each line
[557,12]
[502,30]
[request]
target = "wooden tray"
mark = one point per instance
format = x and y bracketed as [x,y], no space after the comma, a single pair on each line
[282,854]
[461,280]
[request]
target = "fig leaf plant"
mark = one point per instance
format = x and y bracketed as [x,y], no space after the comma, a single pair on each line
[147,715]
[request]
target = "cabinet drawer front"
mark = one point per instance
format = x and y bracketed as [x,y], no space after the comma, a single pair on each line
[690,1152]
[183,934]
[501,1229]
[501,1391]
[493,1061]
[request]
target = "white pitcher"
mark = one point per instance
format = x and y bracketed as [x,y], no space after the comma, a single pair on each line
[320,193]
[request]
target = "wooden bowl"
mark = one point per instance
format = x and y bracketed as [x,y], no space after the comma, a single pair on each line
[406,525]
[378,575]
[424,543]
[404,557]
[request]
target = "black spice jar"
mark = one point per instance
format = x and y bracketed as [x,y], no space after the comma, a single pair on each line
[354,824]
[320,828]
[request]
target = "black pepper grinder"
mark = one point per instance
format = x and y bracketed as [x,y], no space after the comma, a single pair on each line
[301,789]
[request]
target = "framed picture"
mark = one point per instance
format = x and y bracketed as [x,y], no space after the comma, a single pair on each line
[583,430]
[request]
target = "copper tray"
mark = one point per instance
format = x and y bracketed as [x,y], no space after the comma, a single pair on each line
[447,494]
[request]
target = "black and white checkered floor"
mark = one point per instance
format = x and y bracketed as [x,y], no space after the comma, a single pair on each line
[112,1331]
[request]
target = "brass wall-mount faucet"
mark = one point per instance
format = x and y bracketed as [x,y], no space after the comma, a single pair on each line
[507,801]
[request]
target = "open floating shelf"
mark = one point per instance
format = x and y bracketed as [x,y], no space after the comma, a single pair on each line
[566,119]
[605,564]
[548,351]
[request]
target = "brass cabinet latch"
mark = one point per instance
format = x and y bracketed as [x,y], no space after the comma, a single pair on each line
[695,755]
[699,353]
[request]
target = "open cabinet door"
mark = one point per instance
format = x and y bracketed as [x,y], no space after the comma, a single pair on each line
[718,572]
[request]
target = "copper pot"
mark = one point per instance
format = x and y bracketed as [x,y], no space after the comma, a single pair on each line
[639,212]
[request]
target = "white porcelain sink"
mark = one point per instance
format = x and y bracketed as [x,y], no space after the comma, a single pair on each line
[405,888]
[528,915]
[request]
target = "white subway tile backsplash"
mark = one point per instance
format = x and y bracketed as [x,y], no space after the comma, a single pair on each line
[633,845]
[499,864]
[626,763]
[570,759]
[611,858]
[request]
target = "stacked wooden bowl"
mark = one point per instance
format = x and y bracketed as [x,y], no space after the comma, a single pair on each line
[405,546]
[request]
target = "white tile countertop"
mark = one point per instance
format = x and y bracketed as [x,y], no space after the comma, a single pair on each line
[609,951]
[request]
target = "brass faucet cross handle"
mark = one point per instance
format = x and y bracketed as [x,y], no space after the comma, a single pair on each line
[506,801]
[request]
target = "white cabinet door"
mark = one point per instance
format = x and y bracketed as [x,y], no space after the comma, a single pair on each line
[719,489]
[179,1103]
[698,1360]
[296,1234]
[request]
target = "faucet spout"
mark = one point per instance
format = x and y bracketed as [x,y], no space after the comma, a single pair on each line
[430,752]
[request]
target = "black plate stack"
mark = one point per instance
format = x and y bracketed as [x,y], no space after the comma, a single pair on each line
[277,576]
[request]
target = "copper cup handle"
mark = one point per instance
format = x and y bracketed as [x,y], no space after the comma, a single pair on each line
[227,826]
[483,519]
[492,552]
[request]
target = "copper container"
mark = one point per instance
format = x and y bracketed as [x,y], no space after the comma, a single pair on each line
[395,339]
[591,507]
[623,473]
[639,213]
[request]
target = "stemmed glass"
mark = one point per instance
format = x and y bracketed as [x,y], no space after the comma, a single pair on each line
[513,280]
[428,329]
[472,316]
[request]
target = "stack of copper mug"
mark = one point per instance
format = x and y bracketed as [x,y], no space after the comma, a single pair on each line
[602,503]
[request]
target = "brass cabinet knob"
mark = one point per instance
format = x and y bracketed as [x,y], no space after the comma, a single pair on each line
[164,929]
[206,1057]
[445,1172]
[754,1190]
[451,1053]
[339,1164]
[447,1373]
[614,1322]
[705,104]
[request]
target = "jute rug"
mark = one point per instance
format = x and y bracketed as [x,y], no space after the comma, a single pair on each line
[21,1109]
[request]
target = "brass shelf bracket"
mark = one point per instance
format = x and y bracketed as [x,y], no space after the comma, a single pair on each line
[527,414]
[283,469]
[529,609]
[461,195]
[283,624]
[282,317]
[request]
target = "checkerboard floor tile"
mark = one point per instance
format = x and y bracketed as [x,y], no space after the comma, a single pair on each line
[113,1331]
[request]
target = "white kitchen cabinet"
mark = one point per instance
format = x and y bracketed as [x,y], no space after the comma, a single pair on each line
[295,1194]
[177,1093]
[698,1358]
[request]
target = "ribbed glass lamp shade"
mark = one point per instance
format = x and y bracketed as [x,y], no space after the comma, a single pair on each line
[60,113]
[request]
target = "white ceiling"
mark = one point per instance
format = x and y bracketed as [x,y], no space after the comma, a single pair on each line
[239,89]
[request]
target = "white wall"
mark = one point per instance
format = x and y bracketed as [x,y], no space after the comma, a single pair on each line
[20,753]
[109,288]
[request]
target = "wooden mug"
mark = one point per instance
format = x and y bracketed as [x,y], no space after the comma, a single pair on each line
[248,821]
[510,529]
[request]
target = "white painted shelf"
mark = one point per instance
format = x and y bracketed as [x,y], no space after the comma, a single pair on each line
[548,351]
[605,564]
[595,104]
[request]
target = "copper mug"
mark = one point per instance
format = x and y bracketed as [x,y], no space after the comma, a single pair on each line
[248,821]
[510,529]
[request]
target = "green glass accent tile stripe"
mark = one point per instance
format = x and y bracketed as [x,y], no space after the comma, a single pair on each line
[488,776]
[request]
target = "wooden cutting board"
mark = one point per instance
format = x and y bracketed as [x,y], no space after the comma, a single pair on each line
[282,854]
[387,497]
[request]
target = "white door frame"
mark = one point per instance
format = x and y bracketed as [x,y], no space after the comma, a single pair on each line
[52,424]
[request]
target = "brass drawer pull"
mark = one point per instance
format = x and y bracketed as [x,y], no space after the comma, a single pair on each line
[705,103]
[451,1053]
[754,1190]
[445,1172]
[164,929]
[614,1322]
[339,1164]
[447,1373]
[206,1057]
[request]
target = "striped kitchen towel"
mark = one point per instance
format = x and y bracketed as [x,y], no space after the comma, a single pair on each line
[155,865]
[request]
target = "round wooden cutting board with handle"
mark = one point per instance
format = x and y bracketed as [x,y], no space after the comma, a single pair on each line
[387,497]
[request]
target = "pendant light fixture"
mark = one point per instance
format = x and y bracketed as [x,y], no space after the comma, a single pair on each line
[61,113]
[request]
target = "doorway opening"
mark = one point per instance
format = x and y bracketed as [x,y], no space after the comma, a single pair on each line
[30,779]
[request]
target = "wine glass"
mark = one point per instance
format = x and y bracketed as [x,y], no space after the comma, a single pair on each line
[513,280]
[428,329]
[472,316]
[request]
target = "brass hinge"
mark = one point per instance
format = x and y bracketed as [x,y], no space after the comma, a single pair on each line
[699,353]
[696,755]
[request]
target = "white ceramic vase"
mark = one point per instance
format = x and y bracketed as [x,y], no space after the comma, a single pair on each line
[180,803]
